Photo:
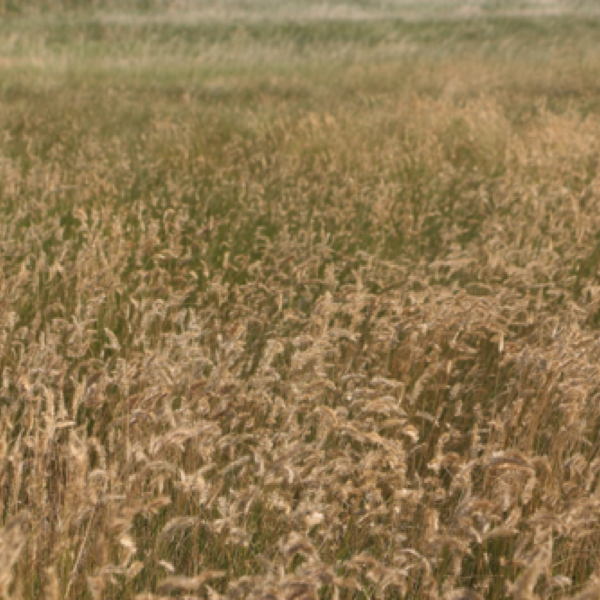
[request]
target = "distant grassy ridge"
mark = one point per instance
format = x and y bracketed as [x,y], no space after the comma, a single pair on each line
[313,9]
[513,58]
[483,33]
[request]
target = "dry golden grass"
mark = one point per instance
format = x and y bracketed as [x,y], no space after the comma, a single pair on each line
[267,338]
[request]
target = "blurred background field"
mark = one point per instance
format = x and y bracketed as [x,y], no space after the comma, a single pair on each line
[299,300]
[309,9]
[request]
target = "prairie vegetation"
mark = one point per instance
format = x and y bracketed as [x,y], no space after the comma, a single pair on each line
[299,308]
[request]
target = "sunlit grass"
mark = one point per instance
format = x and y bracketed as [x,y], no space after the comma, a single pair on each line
[298,308]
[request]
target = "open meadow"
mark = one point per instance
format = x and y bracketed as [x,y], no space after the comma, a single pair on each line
[299,301]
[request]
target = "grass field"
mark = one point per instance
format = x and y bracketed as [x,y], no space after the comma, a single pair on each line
[299,300]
